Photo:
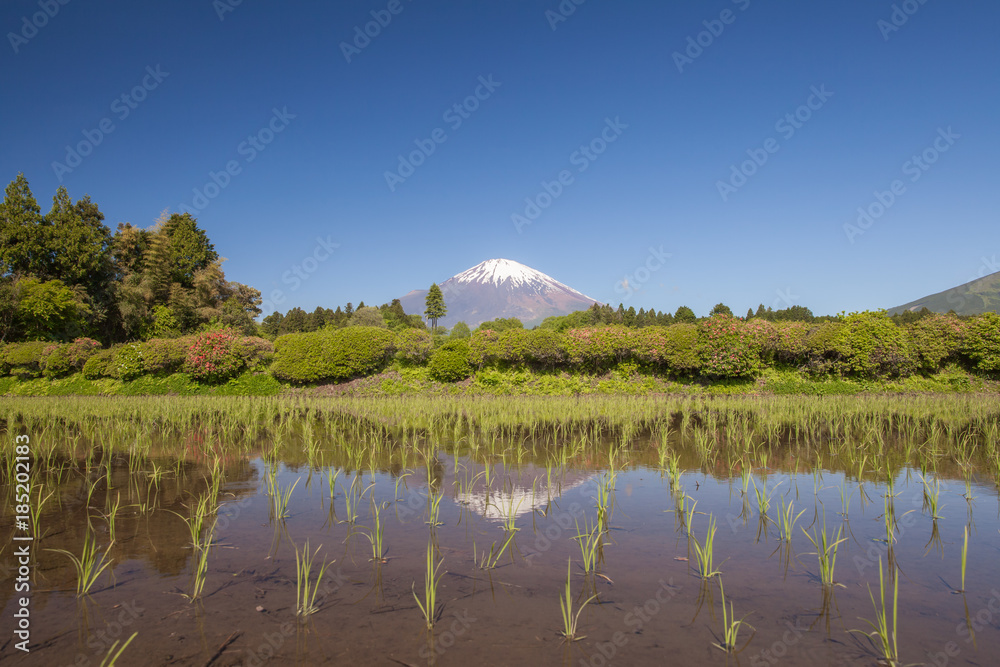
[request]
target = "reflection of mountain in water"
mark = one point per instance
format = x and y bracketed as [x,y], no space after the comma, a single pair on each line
[512,492]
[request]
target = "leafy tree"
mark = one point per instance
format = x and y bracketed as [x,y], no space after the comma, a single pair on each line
[295,321]
[436,308]
[460,330]
[23,232]
[685,315]
[366,316]
[501,324]
[720,309]
[50,310]
[270,326]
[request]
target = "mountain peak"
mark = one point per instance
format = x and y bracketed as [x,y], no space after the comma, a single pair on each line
[497,271]
[502,288]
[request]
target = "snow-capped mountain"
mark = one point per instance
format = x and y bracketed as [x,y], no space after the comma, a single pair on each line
[501,288]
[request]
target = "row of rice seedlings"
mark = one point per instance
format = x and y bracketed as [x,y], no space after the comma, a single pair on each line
[306,588]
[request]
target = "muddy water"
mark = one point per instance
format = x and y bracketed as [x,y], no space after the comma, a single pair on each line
[650,607]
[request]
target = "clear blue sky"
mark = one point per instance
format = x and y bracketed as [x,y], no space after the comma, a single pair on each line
[778,238]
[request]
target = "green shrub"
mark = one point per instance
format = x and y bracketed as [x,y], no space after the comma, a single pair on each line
[57,362]
[165,356]
[256,352]
[982,342]
[729,347]
[787,344]
[935,340]
[599,348]
[513,347]
[338,355]
[450,362]
[126,362]
[25,360]
[414,346]
[822,351]
[673,349]
[870,346]
[99,365]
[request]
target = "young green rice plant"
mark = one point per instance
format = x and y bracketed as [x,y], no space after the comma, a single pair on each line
[570,620]
[605,499]
[115,652]
[375,536]
[704,552]
[590,540]
[787,520]
[490,558]
[965,554]
[731,626]
[305,588]
[764,497]
[280,499]
[399,480]
[89,564]
[431,580]
[332,473]
[845,500]
[932,495]
[826,551]
[434,509]
[881,631]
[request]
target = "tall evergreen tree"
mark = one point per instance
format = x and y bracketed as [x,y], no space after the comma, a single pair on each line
[23,232]
[436,308]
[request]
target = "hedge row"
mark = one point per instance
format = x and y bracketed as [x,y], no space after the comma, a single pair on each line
[214,356]
[861,345]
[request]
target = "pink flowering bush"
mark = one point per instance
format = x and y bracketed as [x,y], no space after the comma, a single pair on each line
[215,356]
[730,348]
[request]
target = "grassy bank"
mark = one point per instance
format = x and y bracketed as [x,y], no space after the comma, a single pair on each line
[405,379]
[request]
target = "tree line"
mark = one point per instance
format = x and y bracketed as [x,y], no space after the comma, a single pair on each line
[65,275]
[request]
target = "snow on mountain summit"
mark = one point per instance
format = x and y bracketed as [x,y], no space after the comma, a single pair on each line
[498,271]
[501,288]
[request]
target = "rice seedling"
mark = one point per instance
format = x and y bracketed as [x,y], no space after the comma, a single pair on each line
[89,564]
[605,499]
[932,495]
[731,626]
[375,536]
[787,520]
[434,509]
[490,558]
[402,477]
[570,620]
[280,499]
[115,652]
[881,630]
[704,552]
[965,554]
[764,498]
[306,588]
[826,551]
[591,542]
[431,580]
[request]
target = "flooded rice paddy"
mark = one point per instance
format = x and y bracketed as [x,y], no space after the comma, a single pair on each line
[446,531]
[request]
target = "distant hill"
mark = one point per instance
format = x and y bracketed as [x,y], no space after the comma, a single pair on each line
[501,288]
[973,298]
